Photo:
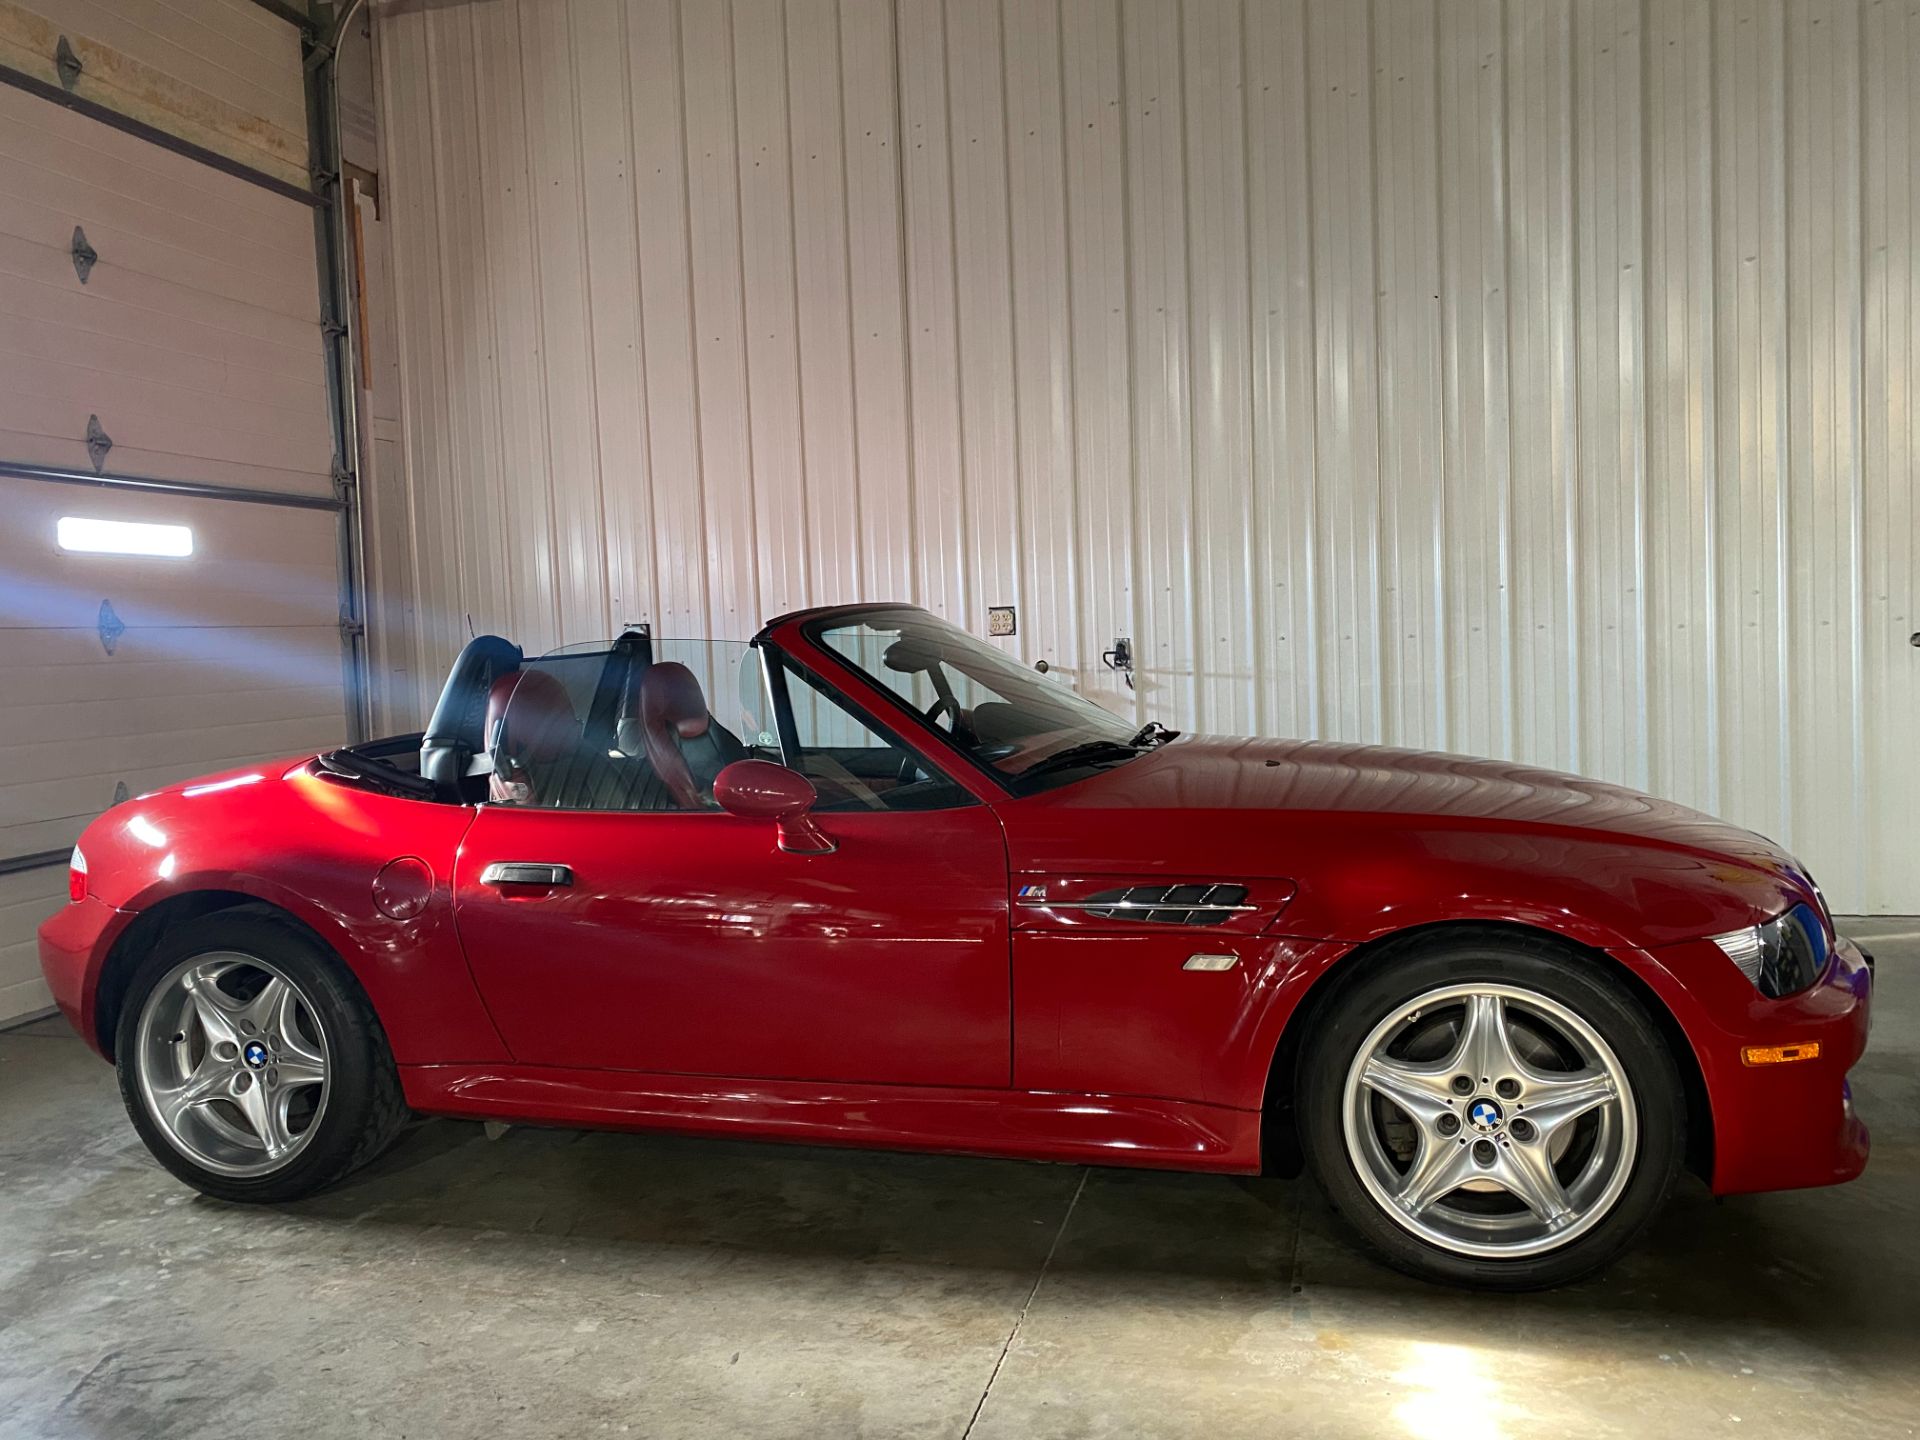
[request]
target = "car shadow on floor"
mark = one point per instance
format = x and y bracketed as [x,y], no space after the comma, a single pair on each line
[1835,1264]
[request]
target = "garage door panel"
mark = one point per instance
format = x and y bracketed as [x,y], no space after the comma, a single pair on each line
[229,654]
[55,400]
[26,213]
[234,695]
[161,366]
[47,814]
[64,667]
[121,301]
[211,46]
[42,297]
[281,436]
[26,899]
[195,338]
[124,184]
[40,730]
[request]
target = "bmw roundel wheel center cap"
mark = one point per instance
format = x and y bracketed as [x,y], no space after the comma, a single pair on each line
[255,1054]
[1486,1116]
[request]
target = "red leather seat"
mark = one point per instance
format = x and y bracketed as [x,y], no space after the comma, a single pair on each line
[531,727]
[684,744]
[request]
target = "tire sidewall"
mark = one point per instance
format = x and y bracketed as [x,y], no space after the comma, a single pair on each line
[355,1050]
[1367,997]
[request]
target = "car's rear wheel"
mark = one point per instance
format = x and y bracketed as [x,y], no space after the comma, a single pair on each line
[251,1063]
[1491,1110]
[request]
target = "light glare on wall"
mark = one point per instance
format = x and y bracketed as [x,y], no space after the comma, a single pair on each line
[123,537]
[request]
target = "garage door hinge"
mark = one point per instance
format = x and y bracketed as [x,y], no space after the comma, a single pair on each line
[343,482]
[83,255]
[350,628]
[333,329]
[67,64]
[323,180]
[112,627]
[98,443]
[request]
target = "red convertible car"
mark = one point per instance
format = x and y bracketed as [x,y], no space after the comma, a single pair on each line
[869,881]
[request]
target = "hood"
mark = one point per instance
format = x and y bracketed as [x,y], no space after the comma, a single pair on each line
[1444,791]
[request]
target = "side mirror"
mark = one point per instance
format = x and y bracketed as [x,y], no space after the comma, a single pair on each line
[761,790]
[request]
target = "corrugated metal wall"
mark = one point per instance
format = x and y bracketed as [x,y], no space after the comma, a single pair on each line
[1530,379]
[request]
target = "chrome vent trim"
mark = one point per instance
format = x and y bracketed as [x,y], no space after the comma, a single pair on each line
[1185,904]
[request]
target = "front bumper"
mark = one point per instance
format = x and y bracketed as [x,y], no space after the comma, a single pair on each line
[1781,1126]
[74,941]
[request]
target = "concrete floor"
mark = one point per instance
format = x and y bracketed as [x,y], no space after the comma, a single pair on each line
[556,1284]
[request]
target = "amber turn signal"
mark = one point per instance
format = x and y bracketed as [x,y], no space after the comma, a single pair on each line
[1780,1054]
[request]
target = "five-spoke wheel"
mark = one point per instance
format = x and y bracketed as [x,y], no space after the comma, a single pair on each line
[1490,1120]
[250,1059]
[1490,1108]
[232,1060]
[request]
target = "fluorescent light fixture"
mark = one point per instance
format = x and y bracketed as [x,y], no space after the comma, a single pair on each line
[123,537]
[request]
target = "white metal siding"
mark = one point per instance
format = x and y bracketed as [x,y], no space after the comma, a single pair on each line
[1530,380]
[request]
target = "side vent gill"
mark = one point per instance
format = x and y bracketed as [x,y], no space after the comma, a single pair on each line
[1169,904]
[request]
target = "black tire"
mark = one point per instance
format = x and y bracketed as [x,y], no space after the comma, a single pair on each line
[364,1107]
[1394,978]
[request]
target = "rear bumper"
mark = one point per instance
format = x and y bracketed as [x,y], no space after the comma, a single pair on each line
[1781,1126]
[73,945]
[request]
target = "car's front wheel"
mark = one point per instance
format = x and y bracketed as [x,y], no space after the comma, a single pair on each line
[251,1063]
[1491,1110]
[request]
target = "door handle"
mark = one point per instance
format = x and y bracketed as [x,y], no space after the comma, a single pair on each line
[521,872]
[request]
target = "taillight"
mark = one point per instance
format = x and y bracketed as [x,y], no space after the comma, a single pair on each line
[77,877]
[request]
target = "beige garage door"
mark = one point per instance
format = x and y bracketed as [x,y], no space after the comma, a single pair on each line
[193,345]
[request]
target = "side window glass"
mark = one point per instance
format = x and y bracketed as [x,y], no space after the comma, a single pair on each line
[643,726]
[852,765]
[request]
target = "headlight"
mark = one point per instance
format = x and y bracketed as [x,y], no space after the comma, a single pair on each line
[1783,956]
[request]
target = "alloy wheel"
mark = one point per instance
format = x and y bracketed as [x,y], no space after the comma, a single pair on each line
[231,1062]
[1490,1120]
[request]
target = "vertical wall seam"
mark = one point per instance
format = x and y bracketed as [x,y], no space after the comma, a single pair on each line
[858,538]
[651,606]
[1196,690]
[1642,452]
[1013,316]
[1710,425]
[965,576]
[1783,450]
[1446,338]
[707,596]
[1317,725]
[1133,342]
[1257,580]
[915,577]
[1381,681]
[593,352]
[540,329]
[1856,539]
[1571,486]
[755,610]
[1509,640]
[1076,563]
[808,594]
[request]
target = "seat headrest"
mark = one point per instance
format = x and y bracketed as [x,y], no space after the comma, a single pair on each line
[671,700]
[541,721]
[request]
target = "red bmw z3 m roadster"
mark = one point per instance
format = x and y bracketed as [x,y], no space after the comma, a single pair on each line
[869,881]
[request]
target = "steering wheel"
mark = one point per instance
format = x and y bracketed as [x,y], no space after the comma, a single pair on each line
[956,727]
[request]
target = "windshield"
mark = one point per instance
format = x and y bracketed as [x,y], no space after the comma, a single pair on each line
[995,708]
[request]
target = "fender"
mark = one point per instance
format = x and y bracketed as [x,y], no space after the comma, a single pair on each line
[238,832]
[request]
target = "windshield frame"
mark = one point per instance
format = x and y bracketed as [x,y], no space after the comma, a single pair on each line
[812,625]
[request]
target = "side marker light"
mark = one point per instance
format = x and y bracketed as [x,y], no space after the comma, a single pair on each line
[1780,1054]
